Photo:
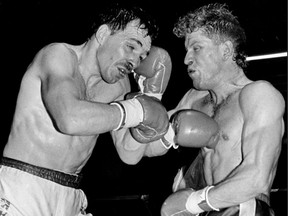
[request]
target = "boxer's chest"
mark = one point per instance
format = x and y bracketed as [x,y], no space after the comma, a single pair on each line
[227,114]
[226,155]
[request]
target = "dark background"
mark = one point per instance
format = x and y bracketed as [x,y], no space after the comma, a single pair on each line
[112,187]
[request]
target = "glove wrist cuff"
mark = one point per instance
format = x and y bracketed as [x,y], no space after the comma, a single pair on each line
[123,115]
[131,113]
[207,200]
[198,201]
[156,95]
[168,139]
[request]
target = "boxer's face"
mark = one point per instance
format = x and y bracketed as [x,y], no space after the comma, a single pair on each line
[122,52]
[203,59]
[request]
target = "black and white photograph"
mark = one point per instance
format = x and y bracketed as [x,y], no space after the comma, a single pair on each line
[143,108]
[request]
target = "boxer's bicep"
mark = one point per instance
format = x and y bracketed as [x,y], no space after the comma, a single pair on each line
[60,87]
[262,109]
[58,72]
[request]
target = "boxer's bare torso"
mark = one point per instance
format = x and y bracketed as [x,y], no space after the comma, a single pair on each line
[34,136]
[223,158]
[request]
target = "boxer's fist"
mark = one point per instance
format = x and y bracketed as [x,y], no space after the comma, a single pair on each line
[187,202]
[145,112]
[152,75]
[191,128]
[155,120]
[175,204]
[154,72]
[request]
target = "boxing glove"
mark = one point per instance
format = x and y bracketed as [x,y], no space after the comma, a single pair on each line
[154,72]
[187,202]
[145,112]
[191,128]
[152,75]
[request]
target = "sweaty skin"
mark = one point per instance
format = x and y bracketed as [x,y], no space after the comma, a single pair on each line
[63,102]
[243,163]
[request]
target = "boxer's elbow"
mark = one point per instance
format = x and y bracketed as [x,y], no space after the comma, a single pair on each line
[155,149]
[262,185]
[130,159]
[259,181]
[68,124]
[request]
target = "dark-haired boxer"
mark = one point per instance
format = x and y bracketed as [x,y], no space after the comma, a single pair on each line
[69,96]
[235,175]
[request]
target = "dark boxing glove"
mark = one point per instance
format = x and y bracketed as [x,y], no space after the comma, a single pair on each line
[154,72]
[145,112]
[191,128]
[152,75]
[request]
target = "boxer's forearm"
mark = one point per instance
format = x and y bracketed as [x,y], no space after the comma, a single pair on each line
[130,151]
[242,185]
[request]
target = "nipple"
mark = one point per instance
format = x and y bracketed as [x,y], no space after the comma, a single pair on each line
[225,137]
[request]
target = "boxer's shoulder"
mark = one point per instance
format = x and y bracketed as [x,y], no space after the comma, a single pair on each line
[257,88]
[261,93]
[54,58]
[59,52]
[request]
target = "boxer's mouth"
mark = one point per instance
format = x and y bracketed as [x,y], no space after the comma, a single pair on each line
[191,71]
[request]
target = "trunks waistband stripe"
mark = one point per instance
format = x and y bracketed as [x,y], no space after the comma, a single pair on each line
[49,174]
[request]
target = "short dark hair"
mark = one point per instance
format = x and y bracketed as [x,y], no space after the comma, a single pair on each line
[217,23]
[117,16]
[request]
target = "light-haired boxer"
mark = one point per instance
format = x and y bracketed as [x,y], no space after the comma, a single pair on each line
[186,125]
[233,176]
[70,95]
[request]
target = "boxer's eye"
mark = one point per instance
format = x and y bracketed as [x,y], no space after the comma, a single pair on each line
[130,47]
[196,48]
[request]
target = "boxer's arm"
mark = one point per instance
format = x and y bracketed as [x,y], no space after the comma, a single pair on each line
[65,99]
[152,75]
[130,151]
[262,108]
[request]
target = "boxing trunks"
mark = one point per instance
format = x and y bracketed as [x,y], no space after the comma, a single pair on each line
[29,190]
[194,178]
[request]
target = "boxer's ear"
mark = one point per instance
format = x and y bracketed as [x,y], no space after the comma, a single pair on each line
[102,32]
[227,49]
